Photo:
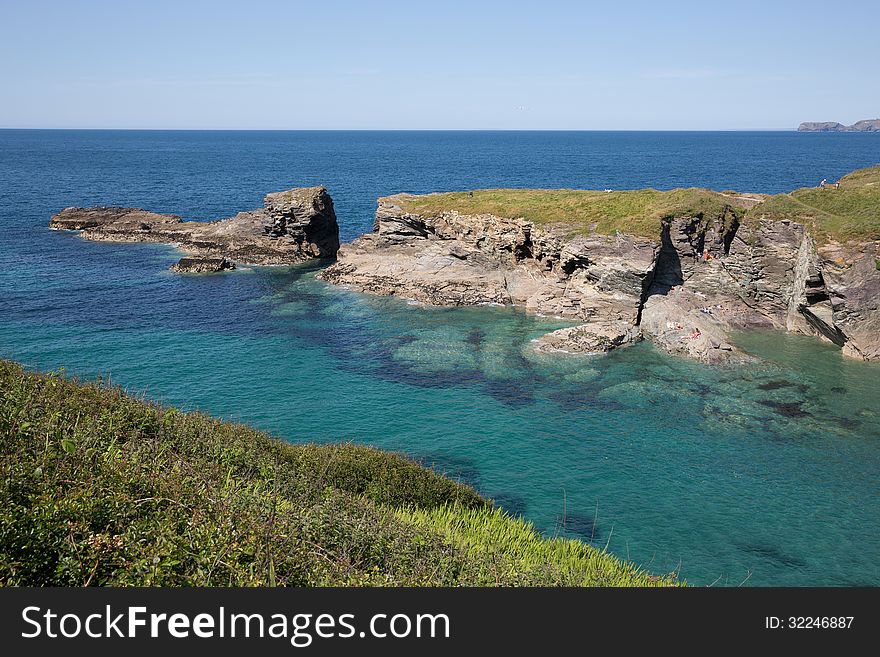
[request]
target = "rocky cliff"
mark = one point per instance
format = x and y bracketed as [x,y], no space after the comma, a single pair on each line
[716,263]
[293,226]
[865,125]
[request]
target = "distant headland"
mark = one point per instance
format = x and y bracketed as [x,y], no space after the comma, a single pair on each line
[865,125]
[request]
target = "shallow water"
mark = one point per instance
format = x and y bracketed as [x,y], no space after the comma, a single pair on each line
[763,474]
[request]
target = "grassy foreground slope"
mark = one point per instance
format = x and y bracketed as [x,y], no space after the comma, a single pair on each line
[99,488]
[849,213]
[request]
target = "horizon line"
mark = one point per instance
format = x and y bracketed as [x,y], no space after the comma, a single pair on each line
[404,129]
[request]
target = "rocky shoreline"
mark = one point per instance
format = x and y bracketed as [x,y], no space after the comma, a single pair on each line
[706,263]
[703,277]
[293,226]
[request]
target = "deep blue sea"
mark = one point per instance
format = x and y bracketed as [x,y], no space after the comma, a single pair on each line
[672,464]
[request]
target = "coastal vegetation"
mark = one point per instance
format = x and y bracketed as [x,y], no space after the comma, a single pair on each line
[635,212]
[850,212]
[101,488]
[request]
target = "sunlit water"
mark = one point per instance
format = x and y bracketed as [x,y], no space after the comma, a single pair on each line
[763,474]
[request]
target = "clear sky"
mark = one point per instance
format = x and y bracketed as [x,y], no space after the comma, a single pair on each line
[545,64]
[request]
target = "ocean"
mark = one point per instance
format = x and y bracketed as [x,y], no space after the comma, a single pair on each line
[674,465]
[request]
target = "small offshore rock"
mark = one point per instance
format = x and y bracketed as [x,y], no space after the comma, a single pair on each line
[202,265]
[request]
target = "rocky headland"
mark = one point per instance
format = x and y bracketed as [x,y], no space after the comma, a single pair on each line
[682,268]
[293,226]
[865,125]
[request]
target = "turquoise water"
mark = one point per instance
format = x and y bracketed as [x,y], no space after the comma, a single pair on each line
[675,465]
[760,474]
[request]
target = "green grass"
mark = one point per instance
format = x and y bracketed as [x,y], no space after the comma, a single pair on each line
[849,213]
[637,212]
[100,488]
[510,549]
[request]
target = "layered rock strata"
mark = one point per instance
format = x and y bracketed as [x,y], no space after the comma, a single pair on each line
[704,277]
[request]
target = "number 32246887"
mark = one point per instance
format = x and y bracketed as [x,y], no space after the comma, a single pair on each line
[809,622]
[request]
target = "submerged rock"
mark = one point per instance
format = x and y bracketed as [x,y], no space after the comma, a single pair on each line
[787,409]
[776,384]
[293,226]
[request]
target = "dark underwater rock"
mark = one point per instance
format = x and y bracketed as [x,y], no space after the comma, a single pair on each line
[787,409]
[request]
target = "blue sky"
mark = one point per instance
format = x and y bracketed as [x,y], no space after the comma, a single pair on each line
[437,65]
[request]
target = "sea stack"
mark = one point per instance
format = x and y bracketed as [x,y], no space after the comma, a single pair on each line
[293,226]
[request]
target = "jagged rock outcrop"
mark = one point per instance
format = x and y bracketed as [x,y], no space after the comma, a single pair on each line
[770,275]
[704,277]
[456,259]
[865,125]
[842,298]
[716,276]
[293,226]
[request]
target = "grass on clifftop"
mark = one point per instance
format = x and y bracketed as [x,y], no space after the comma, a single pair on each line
[99,488]
[849,213]
[636,212]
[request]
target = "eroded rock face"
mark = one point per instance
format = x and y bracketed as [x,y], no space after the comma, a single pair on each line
[303,217]
[703,278]
[293,226]
[455,259]
[843,303]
